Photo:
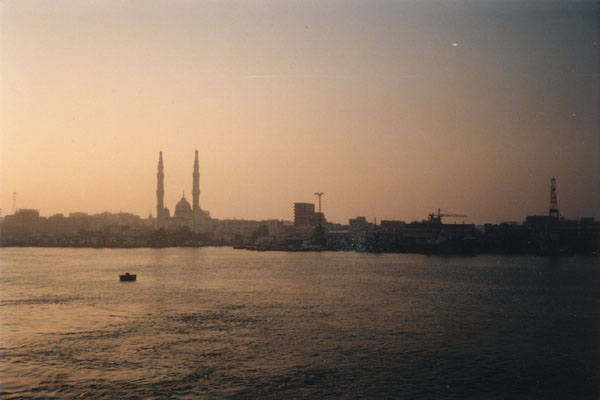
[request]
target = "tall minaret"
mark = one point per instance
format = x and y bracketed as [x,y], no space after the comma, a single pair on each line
[196,187]
[160,191]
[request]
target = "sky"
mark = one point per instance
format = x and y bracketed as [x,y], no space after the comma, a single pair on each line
[393,109]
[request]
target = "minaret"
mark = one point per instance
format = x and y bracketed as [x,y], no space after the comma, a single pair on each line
[160,191]
[196,187]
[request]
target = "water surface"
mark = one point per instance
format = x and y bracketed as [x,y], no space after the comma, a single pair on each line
[224,323]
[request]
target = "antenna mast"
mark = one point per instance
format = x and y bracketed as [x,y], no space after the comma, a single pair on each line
[553,202]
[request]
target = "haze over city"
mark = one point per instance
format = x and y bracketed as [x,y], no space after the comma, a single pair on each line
[393,109]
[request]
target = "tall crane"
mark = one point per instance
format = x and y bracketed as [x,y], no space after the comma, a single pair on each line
[437,218]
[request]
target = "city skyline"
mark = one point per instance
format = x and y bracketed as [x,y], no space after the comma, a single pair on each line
[163,212]
[393,109]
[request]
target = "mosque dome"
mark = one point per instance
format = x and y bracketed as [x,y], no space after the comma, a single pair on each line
[183,208]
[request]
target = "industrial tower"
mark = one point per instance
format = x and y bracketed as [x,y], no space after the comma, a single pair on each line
[320,215]
[553,203]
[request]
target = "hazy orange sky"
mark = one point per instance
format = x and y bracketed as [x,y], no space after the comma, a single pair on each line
[392,108]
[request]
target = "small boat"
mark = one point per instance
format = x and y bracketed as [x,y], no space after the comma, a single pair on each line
[127,277]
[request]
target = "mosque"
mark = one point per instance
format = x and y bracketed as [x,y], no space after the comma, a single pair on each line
[186,215]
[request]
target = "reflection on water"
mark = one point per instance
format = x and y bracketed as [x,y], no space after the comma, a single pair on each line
[217,322]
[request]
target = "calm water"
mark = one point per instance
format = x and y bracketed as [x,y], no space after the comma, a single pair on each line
[223,323]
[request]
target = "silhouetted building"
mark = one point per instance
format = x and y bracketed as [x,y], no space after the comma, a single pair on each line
[359,224]
[507,238]
[589,235]
[23,224]
[544,230]
[186,215]
[392,226]
[28,228]
[431,230]
[240,230]
[568,233]
[304,214]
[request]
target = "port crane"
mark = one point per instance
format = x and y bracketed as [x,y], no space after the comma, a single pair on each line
[437,218]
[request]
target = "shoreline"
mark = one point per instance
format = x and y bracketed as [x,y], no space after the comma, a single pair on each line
[303,250]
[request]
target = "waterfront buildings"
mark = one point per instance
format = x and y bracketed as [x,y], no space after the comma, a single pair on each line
[190,225]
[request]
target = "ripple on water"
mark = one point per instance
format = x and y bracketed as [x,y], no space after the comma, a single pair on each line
[201,324]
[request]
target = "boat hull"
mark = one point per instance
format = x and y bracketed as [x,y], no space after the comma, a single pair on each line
[127,278]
